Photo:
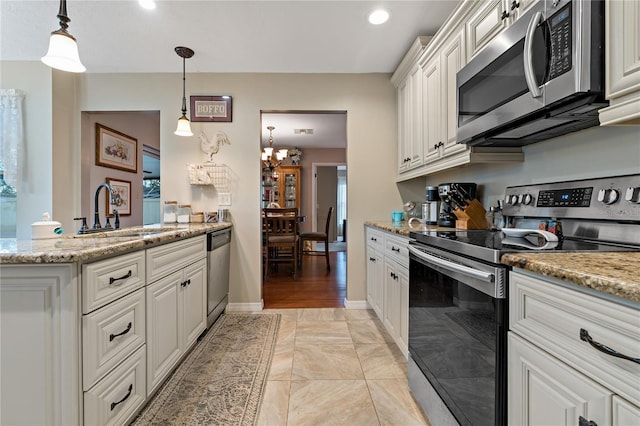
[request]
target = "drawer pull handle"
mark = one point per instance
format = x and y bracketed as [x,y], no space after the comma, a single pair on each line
[113,336]
[115,404]
[584,422]
[124,277]
[584,335]
[395,249]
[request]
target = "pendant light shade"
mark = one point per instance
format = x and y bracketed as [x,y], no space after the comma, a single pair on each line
[184,126]
[63,50]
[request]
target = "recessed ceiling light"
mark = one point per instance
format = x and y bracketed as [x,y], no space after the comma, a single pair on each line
[147,4]
[378,17]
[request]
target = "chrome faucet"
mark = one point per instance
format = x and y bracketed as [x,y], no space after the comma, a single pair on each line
[96,216]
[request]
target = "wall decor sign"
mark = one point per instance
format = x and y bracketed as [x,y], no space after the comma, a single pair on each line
[116,150]
[121,197]
[211,108]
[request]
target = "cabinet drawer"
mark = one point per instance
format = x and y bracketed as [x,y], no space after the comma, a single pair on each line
[110,279]
[111,334]
[552,316]
[167,258]
[374,238]
[117,397]
[396,248]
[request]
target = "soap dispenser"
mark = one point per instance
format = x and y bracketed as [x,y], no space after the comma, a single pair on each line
[46,228]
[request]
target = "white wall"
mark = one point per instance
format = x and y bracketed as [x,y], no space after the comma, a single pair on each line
[371,122]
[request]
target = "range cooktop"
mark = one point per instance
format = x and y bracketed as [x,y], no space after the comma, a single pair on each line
[490,245]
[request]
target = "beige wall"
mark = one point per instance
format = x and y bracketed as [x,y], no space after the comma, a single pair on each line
[371,121]
[309,157]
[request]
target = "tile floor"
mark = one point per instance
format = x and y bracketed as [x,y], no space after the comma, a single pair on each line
[336,367]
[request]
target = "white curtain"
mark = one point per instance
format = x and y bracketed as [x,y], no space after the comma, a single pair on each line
[11,133]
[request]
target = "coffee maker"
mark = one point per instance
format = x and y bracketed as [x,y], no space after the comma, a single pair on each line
[447,218]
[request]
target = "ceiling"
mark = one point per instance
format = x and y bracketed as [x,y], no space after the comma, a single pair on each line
[240,36]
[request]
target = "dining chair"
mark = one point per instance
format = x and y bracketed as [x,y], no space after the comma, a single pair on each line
[322,237]
[281,238]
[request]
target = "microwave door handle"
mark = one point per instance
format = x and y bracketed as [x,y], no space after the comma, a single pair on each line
[529,74]
[470,272]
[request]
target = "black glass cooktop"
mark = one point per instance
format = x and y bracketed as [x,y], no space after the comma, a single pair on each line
[491,245]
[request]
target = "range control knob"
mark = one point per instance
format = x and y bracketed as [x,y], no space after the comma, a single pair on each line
[608,196]
[633,194]
[525,199]
[512,200]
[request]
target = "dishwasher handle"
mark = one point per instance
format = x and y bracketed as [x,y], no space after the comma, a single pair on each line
[218,239]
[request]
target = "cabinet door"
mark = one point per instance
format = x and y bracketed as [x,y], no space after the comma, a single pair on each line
[432,107]
[39,350]
[415,118]
[404,155]
[289,186]
[163,333]
[485,24]
[375,272]
[392,299]
[403,335]
[625,413]
[545,391]
[194,303]
[453,59]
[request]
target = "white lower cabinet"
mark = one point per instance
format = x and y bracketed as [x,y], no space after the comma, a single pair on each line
[545,391]
[388,282]
[176,309]
[556,375]
[39,345]
[116,398]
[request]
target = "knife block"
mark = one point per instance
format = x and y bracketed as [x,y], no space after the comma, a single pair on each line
[472,217]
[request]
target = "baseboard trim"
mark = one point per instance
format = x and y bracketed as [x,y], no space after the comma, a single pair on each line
[355,304]
[245,307]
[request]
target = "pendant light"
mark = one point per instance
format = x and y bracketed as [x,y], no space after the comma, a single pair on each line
[184,127]
[63,50]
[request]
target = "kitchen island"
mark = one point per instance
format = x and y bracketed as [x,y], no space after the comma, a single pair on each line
[92,325]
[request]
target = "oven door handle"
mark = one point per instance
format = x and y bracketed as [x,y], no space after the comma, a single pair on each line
[452,266]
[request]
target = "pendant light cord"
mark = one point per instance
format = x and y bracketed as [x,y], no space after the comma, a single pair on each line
[184,97]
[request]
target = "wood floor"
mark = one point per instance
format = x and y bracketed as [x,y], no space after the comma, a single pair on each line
[315,287]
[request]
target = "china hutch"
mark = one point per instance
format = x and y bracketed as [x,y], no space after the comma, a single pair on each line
[281,186]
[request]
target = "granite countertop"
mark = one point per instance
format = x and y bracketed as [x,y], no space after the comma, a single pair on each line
[89,247]
[403,228]
[614,273]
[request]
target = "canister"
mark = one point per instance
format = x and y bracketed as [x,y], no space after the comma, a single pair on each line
[170,212]
[184,213]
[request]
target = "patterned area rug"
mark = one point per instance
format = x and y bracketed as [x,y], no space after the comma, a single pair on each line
[221,382]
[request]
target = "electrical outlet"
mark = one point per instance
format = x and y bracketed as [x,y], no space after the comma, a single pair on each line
[224,198]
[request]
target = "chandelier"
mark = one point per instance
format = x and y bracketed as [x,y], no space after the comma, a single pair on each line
[271,159]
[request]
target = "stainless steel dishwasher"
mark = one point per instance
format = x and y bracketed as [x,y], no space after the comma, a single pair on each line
[218,255]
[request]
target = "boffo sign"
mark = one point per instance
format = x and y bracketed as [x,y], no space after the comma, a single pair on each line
[211,108]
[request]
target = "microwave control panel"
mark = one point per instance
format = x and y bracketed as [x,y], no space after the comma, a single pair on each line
[561,42]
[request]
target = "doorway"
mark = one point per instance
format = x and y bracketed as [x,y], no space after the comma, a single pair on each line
[319,140]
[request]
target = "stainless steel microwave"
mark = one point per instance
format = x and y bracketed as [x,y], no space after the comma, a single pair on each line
[540,78]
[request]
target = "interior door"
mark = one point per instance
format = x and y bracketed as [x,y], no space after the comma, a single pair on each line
[327,196]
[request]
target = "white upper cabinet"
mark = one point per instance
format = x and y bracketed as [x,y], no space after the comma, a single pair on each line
[453,58]
[491,18]
[622,62]
[432,134]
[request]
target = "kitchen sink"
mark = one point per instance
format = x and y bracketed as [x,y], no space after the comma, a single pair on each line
[127,232]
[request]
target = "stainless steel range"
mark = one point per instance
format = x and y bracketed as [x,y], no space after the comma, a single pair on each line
[458,288]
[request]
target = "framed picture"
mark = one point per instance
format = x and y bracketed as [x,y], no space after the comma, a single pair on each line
[121,197]
[116,150]
[211,108]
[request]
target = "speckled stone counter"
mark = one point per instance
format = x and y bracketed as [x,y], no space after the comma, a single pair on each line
[83,248]
[614,273]
[403,228]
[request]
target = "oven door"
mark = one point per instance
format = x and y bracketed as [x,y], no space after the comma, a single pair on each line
[457,333]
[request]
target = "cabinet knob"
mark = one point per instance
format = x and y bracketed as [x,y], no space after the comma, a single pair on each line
[515,5]
[505,15]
